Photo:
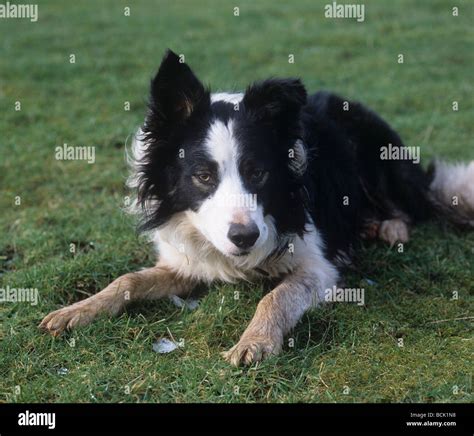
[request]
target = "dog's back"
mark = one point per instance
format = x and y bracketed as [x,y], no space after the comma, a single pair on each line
[354,187]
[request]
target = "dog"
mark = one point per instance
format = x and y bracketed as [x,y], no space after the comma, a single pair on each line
[270,183]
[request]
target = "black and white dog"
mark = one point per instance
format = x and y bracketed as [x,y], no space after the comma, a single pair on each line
[266,183]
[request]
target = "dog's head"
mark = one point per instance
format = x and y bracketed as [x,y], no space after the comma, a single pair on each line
[233,164]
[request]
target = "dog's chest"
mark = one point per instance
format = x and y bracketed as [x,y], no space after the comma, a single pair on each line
[209,265]
[182,248]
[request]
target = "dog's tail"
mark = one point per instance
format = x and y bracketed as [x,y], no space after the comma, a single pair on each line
[451,191]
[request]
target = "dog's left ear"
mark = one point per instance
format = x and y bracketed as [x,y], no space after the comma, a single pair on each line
[274,99]
[176,93]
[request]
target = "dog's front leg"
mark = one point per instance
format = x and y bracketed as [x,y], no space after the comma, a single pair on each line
[150,283]
[276,314]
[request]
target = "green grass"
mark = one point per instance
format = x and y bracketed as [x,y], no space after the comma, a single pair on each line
[63,202]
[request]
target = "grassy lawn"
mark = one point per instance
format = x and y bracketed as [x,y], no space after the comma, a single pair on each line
[344,353]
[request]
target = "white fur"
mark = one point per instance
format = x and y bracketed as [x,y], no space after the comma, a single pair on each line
[185,249]
[188,252]
[133,159]
[454,183]
[224,207]
[227,97]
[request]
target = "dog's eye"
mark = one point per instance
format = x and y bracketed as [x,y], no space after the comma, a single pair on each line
[257,175]
[204,177]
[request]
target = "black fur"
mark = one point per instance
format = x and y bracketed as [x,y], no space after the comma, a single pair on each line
[267,127]
[345,150]
[177,121]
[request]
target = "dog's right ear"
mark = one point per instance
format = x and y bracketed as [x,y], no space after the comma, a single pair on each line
[176,93]
[277,100]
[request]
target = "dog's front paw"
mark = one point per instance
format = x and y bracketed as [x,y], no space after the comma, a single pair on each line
[69,317]
[251,349]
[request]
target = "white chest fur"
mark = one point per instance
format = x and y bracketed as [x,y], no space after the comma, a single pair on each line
[181,247]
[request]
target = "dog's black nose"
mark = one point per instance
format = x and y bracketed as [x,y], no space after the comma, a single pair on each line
[243,236]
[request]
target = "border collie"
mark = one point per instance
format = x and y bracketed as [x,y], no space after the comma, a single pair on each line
[268,183]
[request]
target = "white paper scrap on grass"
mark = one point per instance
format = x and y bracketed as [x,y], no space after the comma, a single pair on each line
[164,345]
[190,304]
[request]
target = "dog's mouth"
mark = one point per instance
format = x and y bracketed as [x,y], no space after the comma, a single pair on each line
[241,253]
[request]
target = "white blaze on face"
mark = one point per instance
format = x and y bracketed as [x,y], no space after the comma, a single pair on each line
[227,97]
[231,203]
